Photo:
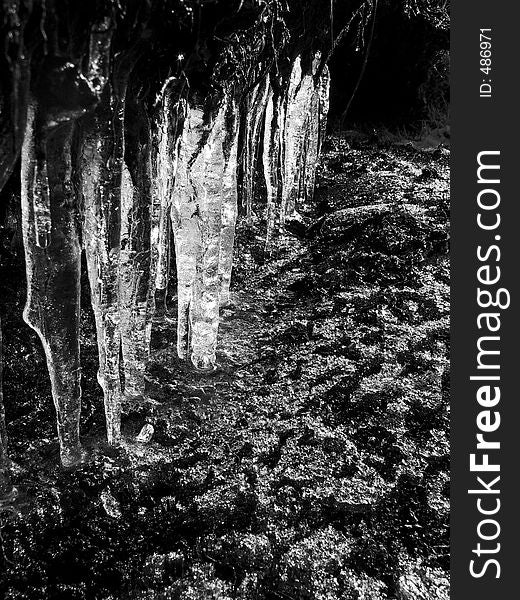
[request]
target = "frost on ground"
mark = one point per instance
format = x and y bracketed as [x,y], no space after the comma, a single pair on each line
[313,464]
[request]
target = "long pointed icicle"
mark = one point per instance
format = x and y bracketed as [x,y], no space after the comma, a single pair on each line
[6,487]
[206,174]
[272,158]
[131,308]
[136,284]
[254,117]
[299,100]
[229,210]
[99,191]
[323,96]
[204,194]
[100,170]
[100,166]
[53,279]
[316,132]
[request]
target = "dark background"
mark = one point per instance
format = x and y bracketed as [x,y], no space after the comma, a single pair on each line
[406,80]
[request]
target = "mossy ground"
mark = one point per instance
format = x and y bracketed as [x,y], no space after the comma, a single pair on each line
[313,465]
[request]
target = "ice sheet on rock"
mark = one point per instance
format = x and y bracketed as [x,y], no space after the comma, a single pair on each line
[110,504]
[146,434]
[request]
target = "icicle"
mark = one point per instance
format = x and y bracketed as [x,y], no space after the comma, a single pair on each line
[323,96]
[40,184]
[100,168]
[272,160]
[100,172]
[137,282]
[100,185]
[5,485]
[99,53]
[229,211]
[165,166]
[295,124]
[254,117]
[204,193]
[317,130]
[185,227]
[299,101]
[311,149]
[53,279]
[206,175]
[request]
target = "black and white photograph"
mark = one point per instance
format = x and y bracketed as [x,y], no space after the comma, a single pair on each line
[225,299]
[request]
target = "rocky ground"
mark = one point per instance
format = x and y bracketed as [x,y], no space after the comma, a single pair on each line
[314,464]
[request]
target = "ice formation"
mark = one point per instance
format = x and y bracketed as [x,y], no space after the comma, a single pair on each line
[165,149]
[53,273]
[295,123]
[6,487]
[120,180]
[256,101]
[136,288]
[272,160]
[204,212]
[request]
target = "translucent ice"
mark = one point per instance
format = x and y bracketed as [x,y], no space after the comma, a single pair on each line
[203,220]
[295,123]
[255,112]
[5,486]
[136,284]
[53,274]
[316,133]
[272,158]
[101,163]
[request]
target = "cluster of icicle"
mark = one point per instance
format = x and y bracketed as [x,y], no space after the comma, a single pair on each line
[293,120]
[138,177]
